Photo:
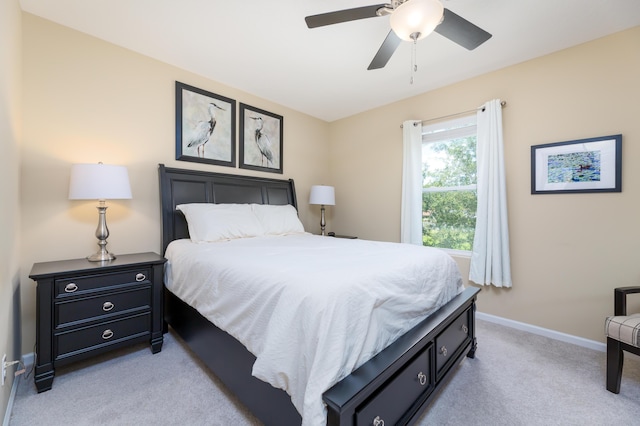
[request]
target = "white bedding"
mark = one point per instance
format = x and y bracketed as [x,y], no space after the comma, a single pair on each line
[311,308]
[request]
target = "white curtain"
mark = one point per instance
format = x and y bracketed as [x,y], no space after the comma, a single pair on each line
[490,263]
[411,215]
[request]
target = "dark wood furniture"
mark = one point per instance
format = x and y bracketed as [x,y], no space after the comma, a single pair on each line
[394,386]
[615,348]
[88,308]
[349,237]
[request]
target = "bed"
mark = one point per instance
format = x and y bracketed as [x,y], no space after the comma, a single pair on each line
[392,387]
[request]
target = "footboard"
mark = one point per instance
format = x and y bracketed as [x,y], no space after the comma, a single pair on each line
[396,385]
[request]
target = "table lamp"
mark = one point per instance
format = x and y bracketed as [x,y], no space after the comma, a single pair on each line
[99,182]
[325,196]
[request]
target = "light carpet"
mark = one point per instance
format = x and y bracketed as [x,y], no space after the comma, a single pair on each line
[516,378]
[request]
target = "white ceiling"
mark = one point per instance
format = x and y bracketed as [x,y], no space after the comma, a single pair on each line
[264,47]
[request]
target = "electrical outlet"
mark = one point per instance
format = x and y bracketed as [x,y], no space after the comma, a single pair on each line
[4,368]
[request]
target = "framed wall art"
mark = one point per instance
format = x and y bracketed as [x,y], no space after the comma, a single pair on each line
[585,165]
[260,139]
[205,126]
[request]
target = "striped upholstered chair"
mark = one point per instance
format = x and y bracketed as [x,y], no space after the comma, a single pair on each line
[623,334]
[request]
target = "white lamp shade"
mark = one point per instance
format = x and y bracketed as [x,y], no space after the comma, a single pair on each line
[322,194]
[99,182]
[416,16]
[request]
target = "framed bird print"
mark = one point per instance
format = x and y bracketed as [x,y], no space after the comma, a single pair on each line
[260,139]
[205,126]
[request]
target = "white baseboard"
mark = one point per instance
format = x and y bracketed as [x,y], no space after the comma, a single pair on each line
[27,360]
[586,343]
[12,397]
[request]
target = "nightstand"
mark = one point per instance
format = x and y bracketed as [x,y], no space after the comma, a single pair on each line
[88,308]
[350,237]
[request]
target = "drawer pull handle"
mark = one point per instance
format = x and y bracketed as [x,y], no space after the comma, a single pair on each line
[422,378]
[107,306]
[378,421]
[443,351]
[465,329]
[70,288]
[141,277]
[107,334]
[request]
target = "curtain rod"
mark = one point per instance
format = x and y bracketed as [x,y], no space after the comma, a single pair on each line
[502,104]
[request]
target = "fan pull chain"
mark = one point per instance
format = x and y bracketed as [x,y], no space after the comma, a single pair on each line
[414,66]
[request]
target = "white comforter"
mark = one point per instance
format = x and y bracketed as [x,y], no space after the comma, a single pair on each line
[310,308]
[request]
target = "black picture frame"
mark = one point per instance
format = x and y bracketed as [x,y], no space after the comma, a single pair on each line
[584,165]
[205,126]
[257,153]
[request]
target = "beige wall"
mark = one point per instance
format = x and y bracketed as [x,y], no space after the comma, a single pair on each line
[86,100]
[568,252]
[10,51]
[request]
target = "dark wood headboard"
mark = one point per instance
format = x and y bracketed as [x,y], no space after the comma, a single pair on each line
[181,186]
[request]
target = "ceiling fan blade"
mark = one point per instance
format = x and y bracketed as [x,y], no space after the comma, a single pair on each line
[346,15]
[389,45]
[460,31]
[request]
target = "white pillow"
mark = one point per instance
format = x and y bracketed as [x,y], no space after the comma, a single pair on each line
[278,220]
[218,222]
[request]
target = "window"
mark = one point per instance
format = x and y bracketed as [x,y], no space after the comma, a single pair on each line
[449,197]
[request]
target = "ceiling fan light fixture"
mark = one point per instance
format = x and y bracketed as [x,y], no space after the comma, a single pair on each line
[416,19]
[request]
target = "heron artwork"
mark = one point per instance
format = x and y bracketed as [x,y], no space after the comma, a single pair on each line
[202,131]
[263,142]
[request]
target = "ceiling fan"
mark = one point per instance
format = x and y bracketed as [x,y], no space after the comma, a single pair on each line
[410,20]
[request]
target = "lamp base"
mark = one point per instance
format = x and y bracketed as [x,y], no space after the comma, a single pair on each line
[323,222]
[100,256]
[102,233]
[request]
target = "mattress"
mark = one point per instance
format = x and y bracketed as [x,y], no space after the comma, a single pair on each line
[310,308]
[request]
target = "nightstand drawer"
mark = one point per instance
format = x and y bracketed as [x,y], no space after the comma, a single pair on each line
[77,311]
[86,339]
[91,283]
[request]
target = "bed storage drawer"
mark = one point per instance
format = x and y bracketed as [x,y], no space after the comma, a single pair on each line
[451,340]
[395,398]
